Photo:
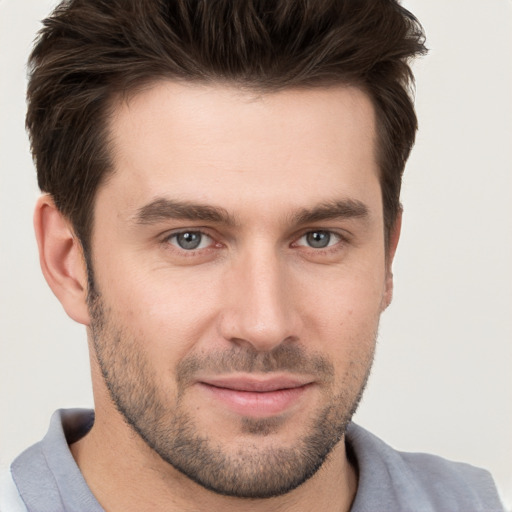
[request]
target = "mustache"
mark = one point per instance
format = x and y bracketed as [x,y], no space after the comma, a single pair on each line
[283,358]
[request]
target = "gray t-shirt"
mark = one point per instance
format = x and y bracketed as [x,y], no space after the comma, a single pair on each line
[47,478]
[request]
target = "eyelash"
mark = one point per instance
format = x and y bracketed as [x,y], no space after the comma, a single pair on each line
[331,234]
[167,241]
[332,248]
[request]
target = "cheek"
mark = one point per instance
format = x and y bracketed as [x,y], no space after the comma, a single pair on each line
[348,300]
[349,331]
[165,310]
[343,319]
[350,343]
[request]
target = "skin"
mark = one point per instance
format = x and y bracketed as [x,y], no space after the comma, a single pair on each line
[255,286]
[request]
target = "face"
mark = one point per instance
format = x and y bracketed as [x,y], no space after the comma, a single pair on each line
[240,272]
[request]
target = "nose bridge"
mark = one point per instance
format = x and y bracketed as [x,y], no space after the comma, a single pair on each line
[261,311]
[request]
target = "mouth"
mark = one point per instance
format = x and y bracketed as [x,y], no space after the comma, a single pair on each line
[256,397]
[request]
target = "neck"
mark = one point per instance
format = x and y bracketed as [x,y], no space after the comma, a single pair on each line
[126,475]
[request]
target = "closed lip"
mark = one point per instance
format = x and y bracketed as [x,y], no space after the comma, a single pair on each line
[256,384]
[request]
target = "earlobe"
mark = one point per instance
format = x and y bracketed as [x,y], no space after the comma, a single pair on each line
[394,236]
[61,259]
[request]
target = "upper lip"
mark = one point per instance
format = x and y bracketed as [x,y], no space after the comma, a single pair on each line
[255,383]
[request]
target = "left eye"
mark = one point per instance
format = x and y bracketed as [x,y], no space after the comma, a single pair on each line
[319,239]
[190,240]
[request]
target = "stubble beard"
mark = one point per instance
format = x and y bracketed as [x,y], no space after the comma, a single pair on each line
[251,471]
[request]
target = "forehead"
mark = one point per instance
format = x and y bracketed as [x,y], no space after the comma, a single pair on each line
[217,144]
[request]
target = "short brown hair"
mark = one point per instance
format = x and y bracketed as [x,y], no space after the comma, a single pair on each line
[89,51]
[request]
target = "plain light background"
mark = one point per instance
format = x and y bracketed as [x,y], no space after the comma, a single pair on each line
[442,380]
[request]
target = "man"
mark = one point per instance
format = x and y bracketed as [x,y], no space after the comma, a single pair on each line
[221,212]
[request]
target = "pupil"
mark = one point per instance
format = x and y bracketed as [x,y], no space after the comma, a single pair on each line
[189,240]
[318,239]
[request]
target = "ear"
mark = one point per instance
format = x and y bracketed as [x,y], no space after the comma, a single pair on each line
[394,236]
[61,258]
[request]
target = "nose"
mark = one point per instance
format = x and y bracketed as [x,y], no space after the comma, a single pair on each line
[260,310]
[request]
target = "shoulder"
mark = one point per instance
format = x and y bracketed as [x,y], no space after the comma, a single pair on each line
[10,499]
[417,481]
[45,476]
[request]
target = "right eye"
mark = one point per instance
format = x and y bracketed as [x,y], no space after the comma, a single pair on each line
[190,240]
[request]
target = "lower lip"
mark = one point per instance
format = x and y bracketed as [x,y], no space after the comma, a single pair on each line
[257,404]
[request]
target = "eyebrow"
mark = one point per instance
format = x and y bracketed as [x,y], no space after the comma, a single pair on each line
[164,209]
[342,209]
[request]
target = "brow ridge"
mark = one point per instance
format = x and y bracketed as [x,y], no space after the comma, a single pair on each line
[337,209]
[163,209]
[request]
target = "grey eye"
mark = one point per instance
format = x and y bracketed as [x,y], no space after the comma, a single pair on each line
[318,239]
[190,240]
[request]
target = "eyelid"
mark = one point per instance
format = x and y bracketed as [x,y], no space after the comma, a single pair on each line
[336,234]
[169,236]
